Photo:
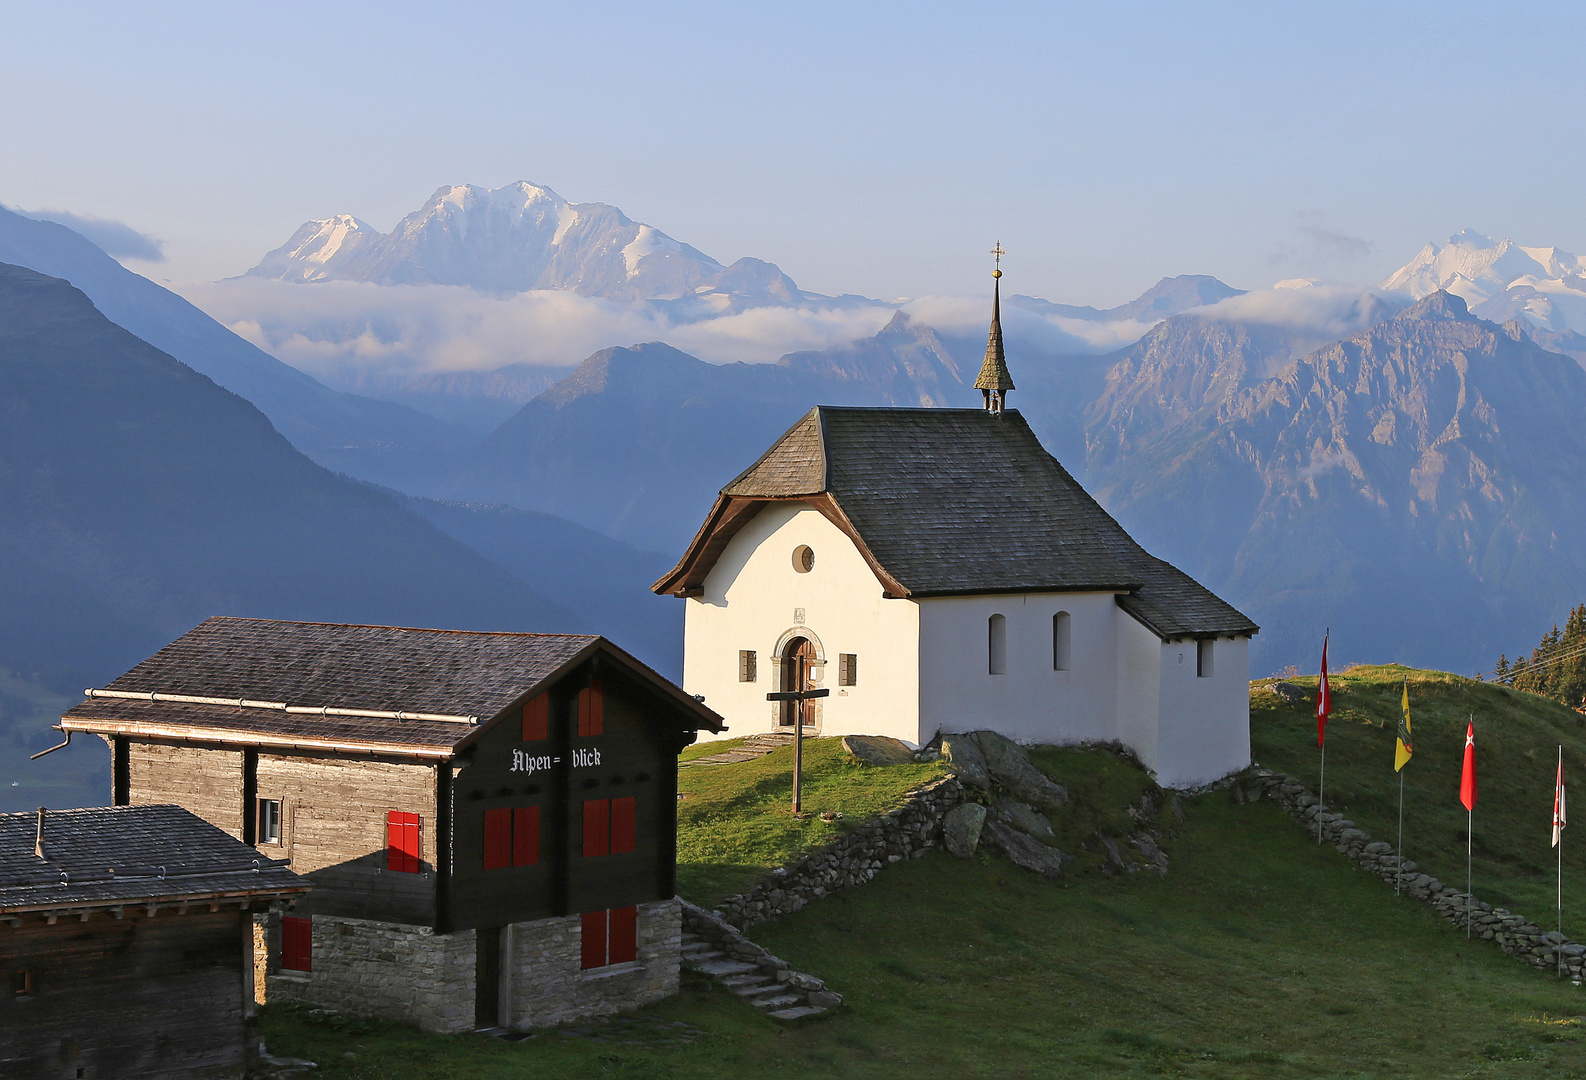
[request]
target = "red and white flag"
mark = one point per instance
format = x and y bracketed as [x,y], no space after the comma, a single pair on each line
[1467,782]
[1558,799]
[1324,699]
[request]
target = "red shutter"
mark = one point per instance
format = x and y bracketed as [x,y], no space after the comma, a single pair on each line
[591,710]
[402,842]
[622,814]
[498,838]
[624,935]
[526,836]
[597,827]
[536,719]
[297,943]
[594,938]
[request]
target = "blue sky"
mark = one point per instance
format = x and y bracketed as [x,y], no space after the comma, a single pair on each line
[875,148]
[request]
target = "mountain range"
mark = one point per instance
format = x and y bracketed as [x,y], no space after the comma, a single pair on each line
[525,236]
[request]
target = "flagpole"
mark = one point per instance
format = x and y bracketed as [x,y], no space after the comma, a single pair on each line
[1321,796]
[1470,821]
[1399,877]
[1323,707]
[1559,952]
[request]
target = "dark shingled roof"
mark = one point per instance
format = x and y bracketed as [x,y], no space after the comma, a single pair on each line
[961,501]
[333,665]
[131,854]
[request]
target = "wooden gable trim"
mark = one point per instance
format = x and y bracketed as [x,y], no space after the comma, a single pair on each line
[233,737]
[641,672]
[731,513]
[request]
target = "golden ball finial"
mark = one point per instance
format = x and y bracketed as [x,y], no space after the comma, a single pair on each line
[996,273]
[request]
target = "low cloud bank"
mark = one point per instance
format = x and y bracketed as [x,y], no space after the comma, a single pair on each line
[338,329]
[1330,311]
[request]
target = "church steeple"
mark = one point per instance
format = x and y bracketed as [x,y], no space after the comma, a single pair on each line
[995,382]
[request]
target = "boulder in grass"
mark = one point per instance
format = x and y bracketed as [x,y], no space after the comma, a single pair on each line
[878,749]
[1022,849]
[968,762]
[1023,816]
[961,829]
[1010,766]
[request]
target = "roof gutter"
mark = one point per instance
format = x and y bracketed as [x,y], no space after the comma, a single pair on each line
[194,733]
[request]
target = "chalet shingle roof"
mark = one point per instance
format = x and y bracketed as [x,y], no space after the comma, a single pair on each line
[339,666]
[961,501]
[131,854]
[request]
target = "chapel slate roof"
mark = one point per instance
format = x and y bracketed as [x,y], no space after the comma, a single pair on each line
[460,673]
[962,501]
[132,854]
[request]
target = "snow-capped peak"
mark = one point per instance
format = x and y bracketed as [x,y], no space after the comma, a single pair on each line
[1500,279]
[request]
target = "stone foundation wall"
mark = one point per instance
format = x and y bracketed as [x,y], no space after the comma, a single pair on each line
[852,859]
[548,986]
[393,971]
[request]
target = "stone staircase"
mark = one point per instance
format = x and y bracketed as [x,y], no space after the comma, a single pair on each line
[786,998]
[757,745]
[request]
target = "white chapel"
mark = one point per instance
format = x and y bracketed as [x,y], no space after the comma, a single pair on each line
[938,571]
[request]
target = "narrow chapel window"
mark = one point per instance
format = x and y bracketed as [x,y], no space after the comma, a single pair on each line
[1060,641]
[748,665]
[847,669]
[1203,658]
[997,645]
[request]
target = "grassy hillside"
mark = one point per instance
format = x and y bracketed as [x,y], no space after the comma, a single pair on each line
[1258,955]
[1517,736]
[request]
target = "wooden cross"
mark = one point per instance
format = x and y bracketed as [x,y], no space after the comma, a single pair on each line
[799,696]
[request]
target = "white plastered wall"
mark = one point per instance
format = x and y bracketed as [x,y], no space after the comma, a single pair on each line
[1031,702]
[750,601]
[1204,730]
[1138,675]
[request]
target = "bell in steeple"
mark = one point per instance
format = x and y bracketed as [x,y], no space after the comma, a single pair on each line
[995,382]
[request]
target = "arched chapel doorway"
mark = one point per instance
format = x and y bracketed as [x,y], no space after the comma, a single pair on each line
[798,663]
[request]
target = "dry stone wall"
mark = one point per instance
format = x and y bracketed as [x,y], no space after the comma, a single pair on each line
[853,859]
[1514,934]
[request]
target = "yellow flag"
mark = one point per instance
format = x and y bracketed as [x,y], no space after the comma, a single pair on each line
[1404,748]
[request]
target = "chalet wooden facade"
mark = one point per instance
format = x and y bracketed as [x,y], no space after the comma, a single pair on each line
[488,819]
[126,935]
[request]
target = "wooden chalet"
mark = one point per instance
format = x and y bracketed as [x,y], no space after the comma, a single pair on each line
[126,935]
[489,819]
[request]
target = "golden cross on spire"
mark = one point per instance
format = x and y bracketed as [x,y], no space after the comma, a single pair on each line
[999,253]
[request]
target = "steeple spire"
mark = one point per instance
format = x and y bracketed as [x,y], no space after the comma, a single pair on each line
[995,382]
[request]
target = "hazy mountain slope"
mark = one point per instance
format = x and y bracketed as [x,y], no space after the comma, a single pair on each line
[137,498]
[1415,486]
[1170,296]
[525,236]
[637,441]
[361,436]
[606,581]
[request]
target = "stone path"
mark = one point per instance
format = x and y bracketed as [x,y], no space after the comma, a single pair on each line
[778,999]
[615,1030]
[754,746]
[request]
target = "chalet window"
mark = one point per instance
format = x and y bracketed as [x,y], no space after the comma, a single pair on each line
[748,665]
[536,719]
[22,983]
[1203,658]
[609,937]
[1060,641]
[512,837]
[591,711]
[997,645]
[297,943]
[609,826]
[847,669]
[402,842]
[269,822]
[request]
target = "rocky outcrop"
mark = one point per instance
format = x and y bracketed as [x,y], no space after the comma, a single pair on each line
[961,829]
[878,749]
